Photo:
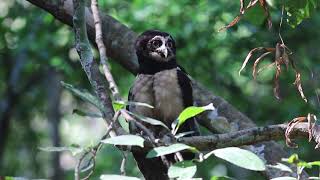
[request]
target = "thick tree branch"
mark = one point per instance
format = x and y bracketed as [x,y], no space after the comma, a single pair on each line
[90,66]
[245,137]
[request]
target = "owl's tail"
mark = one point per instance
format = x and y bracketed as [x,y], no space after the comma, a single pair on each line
[153,168]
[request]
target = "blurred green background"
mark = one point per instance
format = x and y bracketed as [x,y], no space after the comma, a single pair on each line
[36,53]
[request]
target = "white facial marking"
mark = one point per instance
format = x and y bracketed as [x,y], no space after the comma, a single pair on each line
[162,50]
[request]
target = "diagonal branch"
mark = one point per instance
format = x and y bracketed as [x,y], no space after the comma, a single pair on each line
[90,66]
[245,137]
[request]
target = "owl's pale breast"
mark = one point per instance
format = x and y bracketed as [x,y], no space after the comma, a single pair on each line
[168,96]
[160,90]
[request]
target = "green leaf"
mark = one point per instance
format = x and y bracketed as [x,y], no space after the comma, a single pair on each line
[293,159]
[123,123]
[284,178]
[221,178]
[125,140]
[74,150]
[14,178]
[117,105]
[182,170]
[149,120]
[299,10]
[88,114]
[188,113]
[314,163]
[163,150]
[117,177]
[239,157]
[84,94]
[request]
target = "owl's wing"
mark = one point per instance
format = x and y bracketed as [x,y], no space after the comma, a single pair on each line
[186,89]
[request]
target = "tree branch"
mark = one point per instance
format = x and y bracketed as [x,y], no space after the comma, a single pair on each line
[245,137]
[90,66]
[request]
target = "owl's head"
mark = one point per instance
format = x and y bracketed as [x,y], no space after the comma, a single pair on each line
[154,45]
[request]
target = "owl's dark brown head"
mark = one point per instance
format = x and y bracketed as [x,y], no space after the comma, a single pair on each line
[155,46]
[156,51]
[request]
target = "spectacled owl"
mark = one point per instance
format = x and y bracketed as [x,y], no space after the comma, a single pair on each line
[164,85]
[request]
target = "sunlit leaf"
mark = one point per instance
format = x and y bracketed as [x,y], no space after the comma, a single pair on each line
[281,167]
[163,150]
[125,140]
[180,135]
[149,120]
[239,157]
[182,170]
[117,177]
[188,113]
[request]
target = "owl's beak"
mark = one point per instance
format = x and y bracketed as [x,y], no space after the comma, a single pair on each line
[163,51]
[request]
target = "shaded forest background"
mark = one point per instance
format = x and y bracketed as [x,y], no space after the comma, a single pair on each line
[37,52]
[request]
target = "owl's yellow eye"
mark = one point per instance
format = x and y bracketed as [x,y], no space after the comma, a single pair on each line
[156,43]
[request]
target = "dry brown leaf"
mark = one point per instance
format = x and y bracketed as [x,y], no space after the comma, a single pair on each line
[297,82]
[290,128]
[313,129]
[248,57]
[285,59]
[242,11]
[256,62]
[241,6]
[264,5]
[252,3]
[276,88]
[232,23]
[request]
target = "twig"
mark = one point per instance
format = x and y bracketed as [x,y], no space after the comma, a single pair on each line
[127,116]
[123,163]
[90,67]
[93,151]
[102,50]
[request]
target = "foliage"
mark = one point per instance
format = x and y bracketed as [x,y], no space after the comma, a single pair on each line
[32,42]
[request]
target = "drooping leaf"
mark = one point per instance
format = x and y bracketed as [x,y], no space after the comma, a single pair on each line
[163,150]
[182,170]
[281,167]
[74,150]
[88,114]
[180,135]
[239,157]
[117,105]
[116,177]
[84,94]
[149,120]
[125,140]
[188,113]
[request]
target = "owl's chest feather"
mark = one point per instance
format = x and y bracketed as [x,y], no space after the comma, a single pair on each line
[162,91]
